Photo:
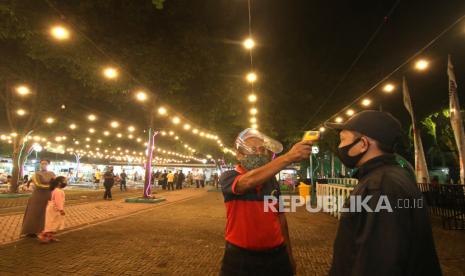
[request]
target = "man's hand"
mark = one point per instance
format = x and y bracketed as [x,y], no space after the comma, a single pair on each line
[300,151]
[62,212]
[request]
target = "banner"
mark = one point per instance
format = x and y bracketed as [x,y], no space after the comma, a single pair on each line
[456,118]
[421,169]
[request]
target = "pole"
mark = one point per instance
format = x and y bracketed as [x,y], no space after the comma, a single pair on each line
[311,168]
[148,166]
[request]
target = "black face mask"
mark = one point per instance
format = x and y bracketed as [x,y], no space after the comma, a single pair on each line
[346,159]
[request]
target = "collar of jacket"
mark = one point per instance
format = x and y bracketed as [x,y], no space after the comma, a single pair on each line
[370,165]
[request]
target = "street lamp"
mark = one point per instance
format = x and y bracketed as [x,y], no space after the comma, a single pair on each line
[322,129]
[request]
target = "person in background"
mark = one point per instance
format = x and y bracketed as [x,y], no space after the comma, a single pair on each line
[55,212]
[257,239]
[215,180]
[180,180]
[197,179]
[175,181]
[122,185]
[164,180]
[97,177]
[34,216]
[170,179]
[190,179]
[396,240]
[108,182]
[202,177]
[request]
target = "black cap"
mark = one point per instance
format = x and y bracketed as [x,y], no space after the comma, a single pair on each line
[380,126]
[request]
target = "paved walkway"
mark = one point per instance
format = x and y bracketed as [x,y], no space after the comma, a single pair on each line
[89,212]
[183,238]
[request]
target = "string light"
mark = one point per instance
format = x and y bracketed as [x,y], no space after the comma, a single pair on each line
[176,120]
[23,90]
[92,117]
[350,112]
[249,43]
[252,98]
[251,77]
[21,112]
[114,124]
[141,96]
[110,73]
[338,120]
[388,88]
[187,126]
[366,102]
[421,65]
[59,33]
[253,111]
[162,111]
[322,129]
[50,120]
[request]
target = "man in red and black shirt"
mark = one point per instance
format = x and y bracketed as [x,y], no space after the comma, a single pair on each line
[257,240]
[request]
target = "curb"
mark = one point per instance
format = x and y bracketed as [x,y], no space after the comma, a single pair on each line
[144,200]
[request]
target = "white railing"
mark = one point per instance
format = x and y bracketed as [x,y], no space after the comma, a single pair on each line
[337,193]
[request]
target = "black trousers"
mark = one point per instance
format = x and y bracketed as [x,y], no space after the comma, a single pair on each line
[239,261]
[178,185]
[107,193]
[123,185]
[170,186]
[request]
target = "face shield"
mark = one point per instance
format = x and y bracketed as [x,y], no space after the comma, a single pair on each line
[252,141]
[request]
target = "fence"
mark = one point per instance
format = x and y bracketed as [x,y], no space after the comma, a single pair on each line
[446,202]
[336,191]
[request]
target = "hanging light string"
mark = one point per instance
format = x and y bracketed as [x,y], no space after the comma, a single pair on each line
[388,76]
[113,72]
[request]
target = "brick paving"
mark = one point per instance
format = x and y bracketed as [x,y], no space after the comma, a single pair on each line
[86,213]
[10,205]
[183,238]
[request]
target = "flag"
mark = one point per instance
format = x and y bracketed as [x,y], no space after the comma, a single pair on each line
[456,118]
[421,169]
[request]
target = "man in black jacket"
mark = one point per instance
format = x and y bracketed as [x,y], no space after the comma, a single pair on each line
[396,239]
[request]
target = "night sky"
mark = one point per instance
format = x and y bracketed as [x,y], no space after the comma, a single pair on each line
[190,55]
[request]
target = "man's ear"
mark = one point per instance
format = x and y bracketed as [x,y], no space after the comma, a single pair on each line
[366,143]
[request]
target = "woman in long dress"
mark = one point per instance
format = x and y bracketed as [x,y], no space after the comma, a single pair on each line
[34,217]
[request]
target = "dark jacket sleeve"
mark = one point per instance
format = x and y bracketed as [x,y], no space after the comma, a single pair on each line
[382,238]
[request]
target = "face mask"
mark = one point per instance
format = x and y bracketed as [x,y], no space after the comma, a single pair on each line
[253,161]
[346,159]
